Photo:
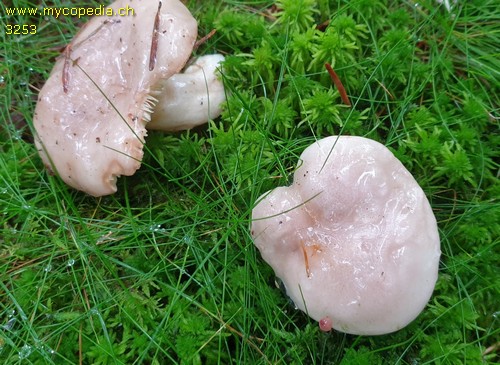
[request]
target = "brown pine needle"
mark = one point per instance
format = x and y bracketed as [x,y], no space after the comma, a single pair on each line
[338,84]
[154,39]
[204,39]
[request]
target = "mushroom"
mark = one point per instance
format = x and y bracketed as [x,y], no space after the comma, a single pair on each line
[353,239]
[190,98]
[92,112]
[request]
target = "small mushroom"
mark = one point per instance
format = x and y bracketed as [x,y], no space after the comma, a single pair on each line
[190,98]
[353,239]
[92,112]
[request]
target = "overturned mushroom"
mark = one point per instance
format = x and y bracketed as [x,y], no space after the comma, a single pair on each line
[188,98]
[353,239]
[92,112]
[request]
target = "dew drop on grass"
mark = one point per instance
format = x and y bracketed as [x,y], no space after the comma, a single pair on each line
[47,350]
[25,352]
[70,263]
[10,324]
[156,228]
[2,80]
[17,136]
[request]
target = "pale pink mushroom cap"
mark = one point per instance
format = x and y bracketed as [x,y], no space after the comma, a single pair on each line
[353,239]
[94,132]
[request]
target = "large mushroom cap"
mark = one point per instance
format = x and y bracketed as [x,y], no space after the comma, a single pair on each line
[353,239]
[91,112]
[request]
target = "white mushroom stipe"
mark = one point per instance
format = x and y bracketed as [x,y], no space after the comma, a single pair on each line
[92,112]
[190,98]
[353,239]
